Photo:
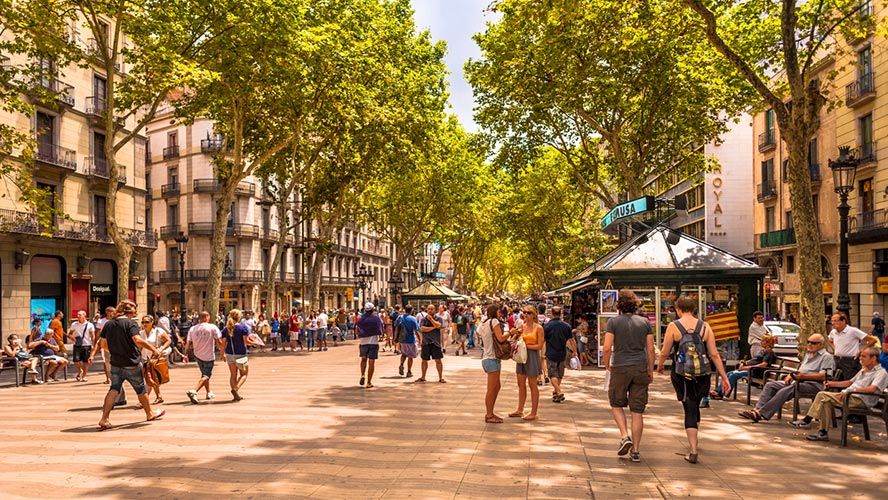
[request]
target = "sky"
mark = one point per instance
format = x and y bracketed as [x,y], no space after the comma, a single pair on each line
[455,21]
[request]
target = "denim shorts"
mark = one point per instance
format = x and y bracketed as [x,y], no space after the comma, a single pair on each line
[206,367]
[132,374]
[491,365]
[369,351]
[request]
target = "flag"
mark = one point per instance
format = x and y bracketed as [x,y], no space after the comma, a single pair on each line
[724,325]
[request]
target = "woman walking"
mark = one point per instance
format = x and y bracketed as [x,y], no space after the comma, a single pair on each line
[532,334]
[490,328]
[236,339]
[162,341]
[311,324]
[682,336]
[275,331]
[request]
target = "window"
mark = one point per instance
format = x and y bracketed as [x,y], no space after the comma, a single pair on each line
[790,264]
[865,135]
[174,175]
[867,202]
[788,224]
[100,89]
[50,198]
[173,258]
[266,219]
[46,135]
[770,222]
[230,259]
[172,215]
[173,139]
[99,160]
[865,64]
[769,123]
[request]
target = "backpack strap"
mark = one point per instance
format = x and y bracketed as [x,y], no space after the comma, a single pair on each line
[698,329]
[681,328]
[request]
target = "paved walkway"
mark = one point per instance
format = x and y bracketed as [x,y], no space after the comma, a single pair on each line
[306,430]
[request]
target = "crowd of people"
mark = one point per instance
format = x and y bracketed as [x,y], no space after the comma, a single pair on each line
[128,343]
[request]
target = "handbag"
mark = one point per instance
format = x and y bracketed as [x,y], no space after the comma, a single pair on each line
[157,370]
[519,352]
[502,350]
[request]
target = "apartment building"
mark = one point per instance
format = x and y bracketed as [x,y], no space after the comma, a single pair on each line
[183,195]
[70,264]
[857,123]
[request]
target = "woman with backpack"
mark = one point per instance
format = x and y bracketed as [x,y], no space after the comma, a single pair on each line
[490,362]
[691,343]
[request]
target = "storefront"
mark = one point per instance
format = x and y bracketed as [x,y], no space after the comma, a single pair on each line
[103,286]
[47,287]
[661,264]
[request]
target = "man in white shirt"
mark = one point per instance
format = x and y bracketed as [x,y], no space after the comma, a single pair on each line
[846,342]
[322,330]
[757,330]
[83,334]
[203,337]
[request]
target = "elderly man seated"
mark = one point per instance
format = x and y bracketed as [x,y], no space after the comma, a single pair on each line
[809,377]
[45,346]
[871,378]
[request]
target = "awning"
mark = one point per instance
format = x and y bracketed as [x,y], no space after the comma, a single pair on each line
[572,286]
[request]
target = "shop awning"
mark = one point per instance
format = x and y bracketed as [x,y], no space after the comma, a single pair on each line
[571,286]
[430,290]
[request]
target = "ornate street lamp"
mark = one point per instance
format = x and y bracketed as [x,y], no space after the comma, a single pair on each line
[395,283]
[181,246]
[363,275]
[844,170]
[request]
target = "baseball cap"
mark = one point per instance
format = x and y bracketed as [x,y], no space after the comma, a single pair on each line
[369,306]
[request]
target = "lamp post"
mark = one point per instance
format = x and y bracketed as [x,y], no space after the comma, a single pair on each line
[395,283]
[844,170]
[181,246]
[362,275]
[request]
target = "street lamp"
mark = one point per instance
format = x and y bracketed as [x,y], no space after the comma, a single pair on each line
[362,275]
[395,283]
[181,246]
[844,170]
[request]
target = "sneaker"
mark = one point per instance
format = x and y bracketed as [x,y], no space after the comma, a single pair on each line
[361,383]
[561,398]
[819,436]
[625,446]
[192,395]
[401,370]
[635,456]
[799,424]
[704,403]
[369,385]
[211,395]
[409,374]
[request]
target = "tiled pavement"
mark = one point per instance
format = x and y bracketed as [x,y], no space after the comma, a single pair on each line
[306,430]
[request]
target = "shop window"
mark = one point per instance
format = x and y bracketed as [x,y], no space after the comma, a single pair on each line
[790,264]
[47,287]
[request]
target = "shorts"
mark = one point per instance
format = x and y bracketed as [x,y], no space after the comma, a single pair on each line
[131,374]
[206,367]
[629,387]
[285,337]
[408,350]
[431,351]
[53,357]
[81,353]
[555,368]
[322,334]
[533,367]
[232,360]
[491,365]
[461,338]
[275,335]
[369,351]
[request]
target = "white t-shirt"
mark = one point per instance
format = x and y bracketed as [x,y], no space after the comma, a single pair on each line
[203,338]
[485,329]
[164,324]
[847,341]
[322,320]
[153,338]
[251,324]
[85,330]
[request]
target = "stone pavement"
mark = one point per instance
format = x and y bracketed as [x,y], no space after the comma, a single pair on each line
[306,430]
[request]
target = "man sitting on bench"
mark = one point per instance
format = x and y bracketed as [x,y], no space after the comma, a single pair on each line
[755,369]
[809,377]
[45,346]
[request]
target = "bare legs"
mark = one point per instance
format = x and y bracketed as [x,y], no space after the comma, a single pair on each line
[493,388]
[367,366]
[637,425]
[523,383]
[237,378]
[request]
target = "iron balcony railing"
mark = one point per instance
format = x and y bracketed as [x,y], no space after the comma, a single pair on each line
[170,152]
[860,88]
[27,223]
[766,190]
[241,275]
[779,238]
[867,221]
[767,139]
[214,185]
[270,234]
[98,167]
[210,145]
[96,106]
[235,230]
[57,156]
[61,91]
[170,231]
[171,189]
[866,152]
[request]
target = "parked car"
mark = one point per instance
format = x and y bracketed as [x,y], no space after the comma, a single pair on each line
[786,337]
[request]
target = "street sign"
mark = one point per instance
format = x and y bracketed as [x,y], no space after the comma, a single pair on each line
[628,209]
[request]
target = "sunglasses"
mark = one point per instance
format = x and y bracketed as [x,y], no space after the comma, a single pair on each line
[814,343]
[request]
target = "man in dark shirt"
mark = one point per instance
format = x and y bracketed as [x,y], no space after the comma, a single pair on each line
[430,326]
[558,337]
[122,338]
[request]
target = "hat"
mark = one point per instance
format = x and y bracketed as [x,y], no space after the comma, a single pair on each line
[876,314]
[369,306]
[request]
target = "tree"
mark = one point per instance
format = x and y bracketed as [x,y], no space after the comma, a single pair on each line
[777,46]
[622,90]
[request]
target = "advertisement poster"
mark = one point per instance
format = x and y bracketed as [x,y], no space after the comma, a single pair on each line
[607,310]
[608,302]
[43,309]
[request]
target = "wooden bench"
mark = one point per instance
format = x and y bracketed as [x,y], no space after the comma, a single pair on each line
[783,366]
[21,373]
[878,411]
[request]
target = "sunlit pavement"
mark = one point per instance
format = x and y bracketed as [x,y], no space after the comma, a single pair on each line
[306,430]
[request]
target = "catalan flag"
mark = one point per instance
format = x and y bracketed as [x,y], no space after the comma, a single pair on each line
[724,325]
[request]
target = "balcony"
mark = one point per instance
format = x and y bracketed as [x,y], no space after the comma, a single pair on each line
[271,235]
[171,152]
[344,250]
[866,152]
[96,107]
[210,145]
[56,156]
[235,230]
[39,86]
[97,168]
[243,188]
[240,275]
[27,223]
[169,190]
[171,231]
[868,227]
[767,140]
[766,191]
[781,238]
[860,91]
[337,280]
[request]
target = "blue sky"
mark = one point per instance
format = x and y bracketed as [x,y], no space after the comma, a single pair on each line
[455,21]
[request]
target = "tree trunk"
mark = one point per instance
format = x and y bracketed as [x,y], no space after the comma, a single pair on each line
[317,271]
[219,250]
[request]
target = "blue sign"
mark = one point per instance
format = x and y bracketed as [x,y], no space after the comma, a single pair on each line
[43,309]
[628,209]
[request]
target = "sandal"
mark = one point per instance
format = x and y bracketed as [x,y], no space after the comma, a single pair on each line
[516,414]
[158,401]
[530,417]
[493,420]
[104,427]
[691,458]
[156,415]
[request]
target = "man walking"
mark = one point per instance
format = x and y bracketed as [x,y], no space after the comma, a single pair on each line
[82,333]
[407,346]
[322,330]
[121,335]
[431,328]
[369,328]
[446,319]
[461,320]
[58,333]
[630,338]
[558,336]
[203,338]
